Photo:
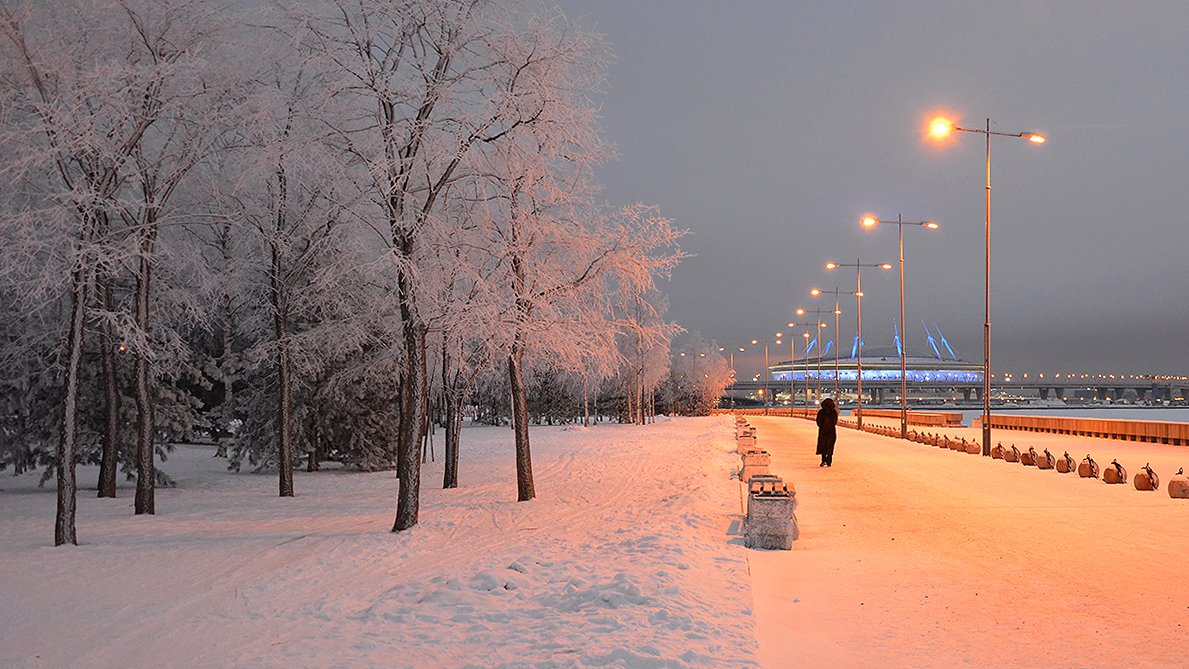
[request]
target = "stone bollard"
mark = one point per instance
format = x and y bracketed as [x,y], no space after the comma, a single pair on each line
[1065,464]
[974,448]
[771,523]
[1088,468]
[746,442]
[1146,479]
[754,462]
[1115,474]
[1047,461]
[997,452]
[1013,455]
[1028,458]
[1178,485]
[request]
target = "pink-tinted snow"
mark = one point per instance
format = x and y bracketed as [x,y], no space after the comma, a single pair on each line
[908,556]
[622,560]
[916,556]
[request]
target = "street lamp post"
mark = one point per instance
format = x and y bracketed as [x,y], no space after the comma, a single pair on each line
[754,342]
[941,127]
[792,346]
[792,381]
[817,314]
[870,221]
[818,325]
[731,376]
[816,292]
[858,265]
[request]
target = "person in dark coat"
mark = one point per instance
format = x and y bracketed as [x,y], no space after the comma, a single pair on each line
[827,420]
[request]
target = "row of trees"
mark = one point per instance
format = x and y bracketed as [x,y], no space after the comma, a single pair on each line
[299,227]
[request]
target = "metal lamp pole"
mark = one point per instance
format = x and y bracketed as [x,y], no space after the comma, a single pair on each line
[942,127]
[806,336]
[817,313]
[870,221]
[816,292]
[733,379]
[755,342]
[858,265]
[792,363]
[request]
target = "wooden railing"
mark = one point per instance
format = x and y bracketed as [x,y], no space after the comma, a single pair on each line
[936,418]
[799,412]
[1108,428]
[939,418]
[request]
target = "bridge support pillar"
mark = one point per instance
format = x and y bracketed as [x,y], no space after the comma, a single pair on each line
[1044,393]
[965,394]
[1100,393]
[1119,394]
[1141,394]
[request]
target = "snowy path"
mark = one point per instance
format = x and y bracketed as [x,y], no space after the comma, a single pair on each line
[614,564]
[909,556]
[913,556]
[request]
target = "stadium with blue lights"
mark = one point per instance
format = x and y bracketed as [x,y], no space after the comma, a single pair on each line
[882,365]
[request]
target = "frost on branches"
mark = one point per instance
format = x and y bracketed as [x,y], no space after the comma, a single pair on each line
[313,231]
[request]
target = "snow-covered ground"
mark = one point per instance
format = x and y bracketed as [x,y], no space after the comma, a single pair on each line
[622,560]
[909,556]
[914,556]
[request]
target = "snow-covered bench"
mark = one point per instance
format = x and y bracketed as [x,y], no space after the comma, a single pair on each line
[754,462]
[746,442]
[771,523]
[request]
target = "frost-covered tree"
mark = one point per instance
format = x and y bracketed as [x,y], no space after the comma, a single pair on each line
[95,97]
[306,223]
[287,200]
[698,377]
[429,88]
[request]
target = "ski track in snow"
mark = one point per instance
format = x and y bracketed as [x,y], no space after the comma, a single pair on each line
[622,560]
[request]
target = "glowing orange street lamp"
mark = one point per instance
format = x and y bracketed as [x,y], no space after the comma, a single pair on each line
[767,373]
[858,265]
[869,221]
[817,292]
[941,128]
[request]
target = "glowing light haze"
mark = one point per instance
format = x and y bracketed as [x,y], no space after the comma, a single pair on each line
[770,129]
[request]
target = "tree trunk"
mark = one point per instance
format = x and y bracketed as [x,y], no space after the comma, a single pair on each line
[312,458]
[453,439]
[145,471]
[524,461]
[585,404]
[450,392]
[64,519]
[110,458]
[284,413]
[285,381]
[412,388]
[280,310]
[223,432]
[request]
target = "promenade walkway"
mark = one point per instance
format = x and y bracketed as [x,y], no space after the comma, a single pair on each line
[913,556]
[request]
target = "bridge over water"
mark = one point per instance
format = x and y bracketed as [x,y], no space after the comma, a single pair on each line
[879,389]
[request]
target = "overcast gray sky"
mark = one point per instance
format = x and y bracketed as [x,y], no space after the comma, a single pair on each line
[768,128]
